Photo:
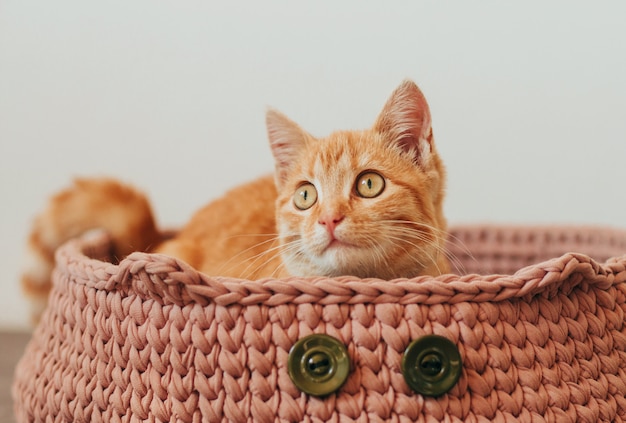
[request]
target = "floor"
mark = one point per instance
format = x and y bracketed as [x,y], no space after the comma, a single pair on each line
[11,348]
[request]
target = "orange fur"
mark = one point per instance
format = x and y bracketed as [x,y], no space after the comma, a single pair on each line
[366,203]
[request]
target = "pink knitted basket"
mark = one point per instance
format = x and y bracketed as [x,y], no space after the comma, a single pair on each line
[151,339]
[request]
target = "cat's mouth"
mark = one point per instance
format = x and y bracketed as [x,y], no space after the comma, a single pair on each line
[335,243]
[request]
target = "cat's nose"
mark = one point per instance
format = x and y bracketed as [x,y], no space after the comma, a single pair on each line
[330,221]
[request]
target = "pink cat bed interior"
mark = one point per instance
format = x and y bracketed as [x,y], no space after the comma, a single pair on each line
[539,334]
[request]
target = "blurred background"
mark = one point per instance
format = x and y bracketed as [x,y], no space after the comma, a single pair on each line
[528,100]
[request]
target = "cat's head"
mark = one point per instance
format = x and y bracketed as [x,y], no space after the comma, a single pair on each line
[366,203]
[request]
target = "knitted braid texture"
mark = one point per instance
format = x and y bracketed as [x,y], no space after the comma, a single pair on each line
[150,339]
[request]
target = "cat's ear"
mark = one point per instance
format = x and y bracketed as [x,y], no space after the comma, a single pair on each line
[405,122]
[287,141]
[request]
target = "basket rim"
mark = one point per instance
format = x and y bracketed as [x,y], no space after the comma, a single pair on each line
[170,280]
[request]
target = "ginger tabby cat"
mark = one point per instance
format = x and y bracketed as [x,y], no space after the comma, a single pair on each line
[365,203]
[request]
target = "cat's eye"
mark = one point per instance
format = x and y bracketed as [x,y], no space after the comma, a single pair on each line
[370,184]
[305,196]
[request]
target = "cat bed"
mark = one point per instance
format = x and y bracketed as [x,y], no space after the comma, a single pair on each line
[530,332]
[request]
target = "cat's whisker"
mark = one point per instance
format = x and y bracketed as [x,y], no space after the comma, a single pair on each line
[439,248]
[294,247]
[254,264]
[404,235]
[432,240]
[440,235]
[249,271]
[289,247]
[454,240]
[414,257]
[233,259]
[451,239]
[273,234]
[257,262]
[278,269]
[432,259]
[377,250]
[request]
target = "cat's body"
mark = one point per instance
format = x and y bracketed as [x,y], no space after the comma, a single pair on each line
[229,239]
[362,203]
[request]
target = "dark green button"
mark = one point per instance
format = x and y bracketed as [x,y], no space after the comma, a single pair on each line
[318,364]
[431,365]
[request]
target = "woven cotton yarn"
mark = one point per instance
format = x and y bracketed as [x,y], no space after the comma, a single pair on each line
[537,316]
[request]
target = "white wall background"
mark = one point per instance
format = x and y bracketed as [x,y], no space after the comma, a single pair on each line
[528,100]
